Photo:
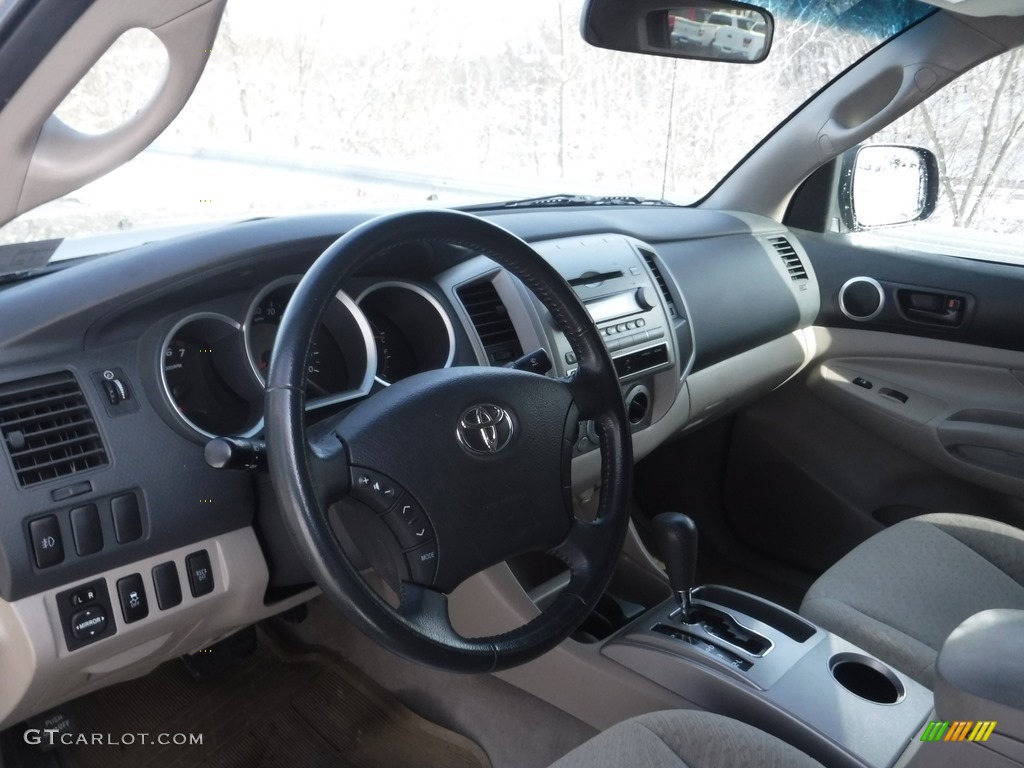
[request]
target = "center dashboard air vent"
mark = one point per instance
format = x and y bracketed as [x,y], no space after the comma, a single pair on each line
[48,429]
[790,258]
[492,322]
[652,263]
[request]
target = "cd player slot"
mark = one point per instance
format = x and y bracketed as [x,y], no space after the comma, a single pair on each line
[594,278]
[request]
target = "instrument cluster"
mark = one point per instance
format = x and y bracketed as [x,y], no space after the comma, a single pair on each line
[213,366]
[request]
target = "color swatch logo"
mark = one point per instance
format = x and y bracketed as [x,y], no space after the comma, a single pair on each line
[958,730]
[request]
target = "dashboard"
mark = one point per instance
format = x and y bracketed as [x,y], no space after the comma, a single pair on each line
[120,547]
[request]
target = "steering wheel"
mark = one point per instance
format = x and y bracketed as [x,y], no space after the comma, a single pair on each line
[448,472]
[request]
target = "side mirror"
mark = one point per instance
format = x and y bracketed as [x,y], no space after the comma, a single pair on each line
[711,30]
[885,185]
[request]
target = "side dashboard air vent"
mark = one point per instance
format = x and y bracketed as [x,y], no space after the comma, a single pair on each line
[48,429]
[652,263]
[790,258]
[492,322]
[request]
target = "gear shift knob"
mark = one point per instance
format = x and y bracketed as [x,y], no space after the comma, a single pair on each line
[677,540]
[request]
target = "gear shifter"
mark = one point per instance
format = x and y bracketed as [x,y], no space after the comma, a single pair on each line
[677,540]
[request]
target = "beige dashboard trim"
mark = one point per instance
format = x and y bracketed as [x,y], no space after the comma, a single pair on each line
[38,672]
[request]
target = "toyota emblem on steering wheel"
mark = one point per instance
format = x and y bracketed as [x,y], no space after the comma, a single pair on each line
[485,429]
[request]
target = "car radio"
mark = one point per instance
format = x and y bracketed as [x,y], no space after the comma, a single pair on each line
[611,276]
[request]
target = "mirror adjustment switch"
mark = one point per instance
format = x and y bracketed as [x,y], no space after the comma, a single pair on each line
[166,585]
[85,528]
[83,596]
[89,624]
[47,544]
[131,593]
[85,614]
[200,573]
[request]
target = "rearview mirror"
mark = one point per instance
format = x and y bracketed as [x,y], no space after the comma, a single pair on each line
[885,185]
[710,30]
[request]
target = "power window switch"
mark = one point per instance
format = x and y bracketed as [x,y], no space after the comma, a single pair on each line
[860,381]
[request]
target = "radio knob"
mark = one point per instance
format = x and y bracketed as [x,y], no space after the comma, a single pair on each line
[643,300]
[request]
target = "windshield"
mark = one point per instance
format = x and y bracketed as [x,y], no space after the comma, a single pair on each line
[316,105]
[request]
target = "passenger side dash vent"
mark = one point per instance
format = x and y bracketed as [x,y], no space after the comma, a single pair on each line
[652,263]
[492,322]
[48,429]
[789,257]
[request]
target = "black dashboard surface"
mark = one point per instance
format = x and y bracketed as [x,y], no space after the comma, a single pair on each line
[113,315]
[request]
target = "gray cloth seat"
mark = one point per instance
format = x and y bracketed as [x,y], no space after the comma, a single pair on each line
[903,591]
[684,739]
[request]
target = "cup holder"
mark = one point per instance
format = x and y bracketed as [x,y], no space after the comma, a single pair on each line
[866,677]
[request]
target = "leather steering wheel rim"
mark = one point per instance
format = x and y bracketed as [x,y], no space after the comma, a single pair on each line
[306,475]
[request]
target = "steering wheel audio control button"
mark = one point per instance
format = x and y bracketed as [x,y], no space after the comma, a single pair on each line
[409,524]
[373,489]
[423,563]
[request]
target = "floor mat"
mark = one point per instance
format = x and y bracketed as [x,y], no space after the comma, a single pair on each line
[278,708]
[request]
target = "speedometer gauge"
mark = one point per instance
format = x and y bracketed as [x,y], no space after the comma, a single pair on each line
[341,359]
[326,370]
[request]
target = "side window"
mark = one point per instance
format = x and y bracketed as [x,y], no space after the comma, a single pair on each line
[975,128]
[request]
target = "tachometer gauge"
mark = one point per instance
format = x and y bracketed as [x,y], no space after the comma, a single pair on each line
[326,371]
[194,357]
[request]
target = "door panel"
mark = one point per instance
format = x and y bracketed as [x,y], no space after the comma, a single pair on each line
[993,313]
[903,413]
[823,463]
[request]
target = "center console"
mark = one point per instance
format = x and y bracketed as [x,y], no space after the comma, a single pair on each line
[735,654]
[750,659]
